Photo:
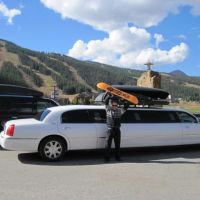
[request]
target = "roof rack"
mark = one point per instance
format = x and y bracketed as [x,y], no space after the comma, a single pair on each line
[145,103]
[147,97]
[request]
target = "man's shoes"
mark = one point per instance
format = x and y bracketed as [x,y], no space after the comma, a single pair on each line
[106,160]
[117,158]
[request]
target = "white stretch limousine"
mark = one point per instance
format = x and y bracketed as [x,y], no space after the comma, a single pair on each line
[63,128]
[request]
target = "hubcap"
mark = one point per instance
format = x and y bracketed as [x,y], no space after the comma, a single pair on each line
[53,149]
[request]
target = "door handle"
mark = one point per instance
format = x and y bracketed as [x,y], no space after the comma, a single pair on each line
[67,127]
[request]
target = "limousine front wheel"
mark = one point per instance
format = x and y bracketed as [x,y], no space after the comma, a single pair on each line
[52,148]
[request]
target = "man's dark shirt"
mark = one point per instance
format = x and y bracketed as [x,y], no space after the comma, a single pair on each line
[113,116]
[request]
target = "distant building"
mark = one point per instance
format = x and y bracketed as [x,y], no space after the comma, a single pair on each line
[149,79]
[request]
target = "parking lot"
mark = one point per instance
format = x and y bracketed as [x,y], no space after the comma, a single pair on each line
[153,173]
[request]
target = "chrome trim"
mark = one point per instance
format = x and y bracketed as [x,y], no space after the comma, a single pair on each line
[11,138]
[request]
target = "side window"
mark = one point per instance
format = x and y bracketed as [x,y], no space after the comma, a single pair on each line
[42,115]
[3,105]
[42,105]
[173,117]
[21,106]
[76,116]
[131,116]
[198,116]
[186,118]
[152,116]
[98,116]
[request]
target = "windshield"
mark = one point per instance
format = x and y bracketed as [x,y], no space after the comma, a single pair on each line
[42,115]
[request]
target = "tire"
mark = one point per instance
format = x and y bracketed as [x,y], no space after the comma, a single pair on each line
[52,149]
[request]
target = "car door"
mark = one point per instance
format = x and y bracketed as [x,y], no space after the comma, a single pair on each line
[190,128]
[99,118]
[150,128]
[3,112]
[77,126]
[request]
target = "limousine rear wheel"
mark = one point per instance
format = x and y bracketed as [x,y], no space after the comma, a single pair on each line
[52,148]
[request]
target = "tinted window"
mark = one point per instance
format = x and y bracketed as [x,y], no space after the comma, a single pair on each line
[20,106]
[143,116]
[3,105]
[158,117]
[197,115]
[186,118]
[98,116]
[76,116]
[42,115]
[131,116]
[43,104]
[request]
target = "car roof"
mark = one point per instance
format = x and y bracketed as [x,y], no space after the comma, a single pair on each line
[6,89]
[80,107]
[75,107]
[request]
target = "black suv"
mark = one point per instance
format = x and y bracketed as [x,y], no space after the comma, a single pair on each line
[18,102]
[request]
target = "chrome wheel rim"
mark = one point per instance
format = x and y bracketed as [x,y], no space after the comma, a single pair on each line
[53,150]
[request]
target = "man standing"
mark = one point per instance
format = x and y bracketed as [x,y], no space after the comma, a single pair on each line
[113,119]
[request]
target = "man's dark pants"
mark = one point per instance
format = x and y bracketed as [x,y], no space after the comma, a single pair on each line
[113,133]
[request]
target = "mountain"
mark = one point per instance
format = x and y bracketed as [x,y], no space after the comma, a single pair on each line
[178,73]
[43,71]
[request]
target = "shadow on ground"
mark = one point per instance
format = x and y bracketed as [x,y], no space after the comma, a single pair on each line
[164,155]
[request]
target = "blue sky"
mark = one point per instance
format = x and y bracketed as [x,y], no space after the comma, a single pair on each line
[128,34]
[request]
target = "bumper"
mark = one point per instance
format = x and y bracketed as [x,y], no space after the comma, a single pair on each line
[19,144]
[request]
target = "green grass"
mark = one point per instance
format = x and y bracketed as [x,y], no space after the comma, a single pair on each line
[190,107]
[193,110]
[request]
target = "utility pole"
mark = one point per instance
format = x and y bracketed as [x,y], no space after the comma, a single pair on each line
[55,92]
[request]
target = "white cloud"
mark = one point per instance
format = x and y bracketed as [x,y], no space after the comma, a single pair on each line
[176,54]
[109,15]
[128,47]
[118,42]
[159,38]
[124,46]
[9,13]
